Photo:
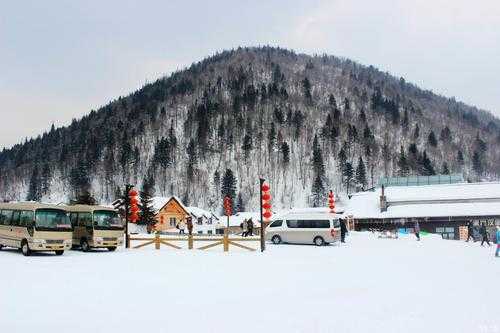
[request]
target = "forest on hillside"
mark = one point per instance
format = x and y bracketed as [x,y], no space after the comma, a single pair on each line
[307,124]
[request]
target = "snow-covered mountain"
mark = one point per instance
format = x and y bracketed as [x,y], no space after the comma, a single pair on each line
[256,111]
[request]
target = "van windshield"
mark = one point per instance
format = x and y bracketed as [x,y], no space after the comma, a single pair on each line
[105,219]
[52,220]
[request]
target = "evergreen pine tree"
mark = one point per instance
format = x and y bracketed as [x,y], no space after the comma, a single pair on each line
[228,186]
[361,173]
[348,176]
[247,145]
[445,169]
[431,139]
[34,190]
[403,165]
[285,150]
[416,132]
[240,205]
[317,158]
[477,163]
[192,160]
[147,214]
[318,191]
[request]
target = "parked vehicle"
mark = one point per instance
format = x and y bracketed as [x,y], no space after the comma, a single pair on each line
[96,227]
[305,228]
[32,226]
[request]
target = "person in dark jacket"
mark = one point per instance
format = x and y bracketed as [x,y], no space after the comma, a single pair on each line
[343,230]
[189,224]
[484,234]
[470,231]
[249,228]
[416,227]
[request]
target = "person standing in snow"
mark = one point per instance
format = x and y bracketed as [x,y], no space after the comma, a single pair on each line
[244,228]
[497,253]
[181,226]
[250,227]
[190,225]
[343,230]
[416,228]
[484,234]
[470,231]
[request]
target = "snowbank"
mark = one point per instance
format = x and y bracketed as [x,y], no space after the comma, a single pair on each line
[367,285]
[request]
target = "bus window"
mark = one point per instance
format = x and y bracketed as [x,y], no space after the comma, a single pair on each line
[5,216]
[73,217]
[16,217]
[26,219]
[85,219]
[52,219]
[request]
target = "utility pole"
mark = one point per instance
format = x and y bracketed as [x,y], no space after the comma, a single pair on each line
[262,227]
[126,203]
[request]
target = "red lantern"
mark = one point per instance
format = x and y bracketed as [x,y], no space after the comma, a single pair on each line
[228,207]
[134,209]
[266,202]
[331,202]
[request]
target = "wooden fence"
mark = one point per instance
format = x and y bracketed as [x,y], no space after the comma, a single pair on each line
[224,240]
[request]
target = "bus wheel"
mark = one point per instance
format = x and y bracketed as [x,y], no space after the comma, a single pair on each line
[319,241]
[112,248]
[85,245]
[25,248]
[276,239]
[59,252]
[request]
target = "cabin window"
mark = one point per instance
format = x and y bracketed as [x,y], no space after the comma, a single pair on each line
[209,232]
[200,232]
[173,222]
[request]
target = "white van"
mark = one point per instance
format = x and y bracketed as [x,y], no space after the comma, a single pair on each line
[305,228]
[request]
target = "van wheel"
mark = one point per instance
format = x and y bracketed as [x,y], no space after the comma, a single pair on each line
[59,252]
[112,248]
[85,245]
[319,241]
[276,239]
[25,248]
[1,246]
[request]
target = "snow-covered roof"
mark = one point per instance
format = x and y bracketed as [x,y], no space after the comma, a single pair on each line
[467,199]
[159,202]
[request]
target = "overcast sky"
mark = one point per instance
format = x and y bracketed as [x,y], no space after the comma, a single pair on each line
[60,59]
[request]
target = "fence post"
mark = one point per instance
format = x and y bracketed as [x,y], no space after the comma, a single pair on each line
[226,240]
[157,241]
[190,241]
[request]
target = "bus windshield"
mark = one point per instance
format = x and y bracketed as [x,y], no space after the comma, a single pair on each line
[52,219]
[105,219]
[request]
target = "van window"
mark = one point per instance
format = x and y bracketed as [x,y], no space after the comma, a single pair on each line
[308,224]
[16,216]
[336,223]
[5,217]
[27,218]
[275,224]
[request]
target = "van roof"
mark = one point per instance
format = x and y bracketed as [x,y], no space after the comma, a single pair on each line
[308,215]
[29,205]
[87,208]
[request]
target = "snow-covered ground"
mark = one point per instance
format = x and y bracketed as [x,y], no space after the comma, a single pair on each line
[368,285]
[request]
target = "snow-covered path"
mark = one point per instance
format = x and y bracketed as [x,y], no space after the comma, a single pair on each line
[369,285]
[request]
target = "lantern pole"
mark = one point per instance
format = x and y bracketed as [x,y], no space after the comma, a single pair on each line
[262,229]
[128,187]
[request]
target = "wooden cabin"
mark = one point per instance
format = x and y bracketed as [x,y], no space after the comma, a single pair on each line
[170,214]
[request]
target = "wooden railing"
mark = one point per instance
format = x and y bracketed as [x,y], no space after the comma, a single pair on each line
[224,240]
